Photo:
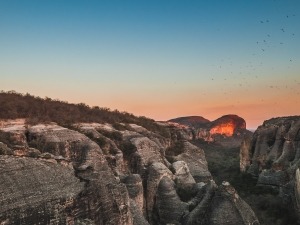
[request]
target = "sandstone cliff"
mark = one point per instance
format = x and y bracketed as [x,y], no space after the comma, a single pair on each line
[273,155]
[92,173]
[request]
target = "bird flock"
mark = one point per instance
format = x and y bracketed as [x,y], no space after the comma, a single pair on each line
[250,71]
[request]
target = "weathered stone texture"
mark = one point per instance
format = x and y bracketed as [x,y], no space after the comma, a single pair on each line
[97,175]
[274,156]
[36,191]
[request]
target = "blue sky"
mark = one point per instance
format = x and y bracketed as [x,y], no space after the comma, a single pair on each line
[161,59]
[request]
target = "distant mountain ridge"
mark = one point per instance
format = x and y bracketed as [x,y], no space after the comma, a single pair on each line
[226,125]
[192,121]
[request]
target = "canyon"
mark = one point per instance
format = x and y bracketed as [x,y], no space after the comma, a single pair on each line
[64,163]
[92,173]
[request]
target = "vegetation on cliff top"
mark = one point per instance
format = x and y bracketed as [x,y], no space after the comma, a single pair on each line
[15,105]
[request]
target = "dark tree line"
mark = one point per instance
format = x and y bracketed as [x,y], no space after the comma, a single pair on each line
[15,105]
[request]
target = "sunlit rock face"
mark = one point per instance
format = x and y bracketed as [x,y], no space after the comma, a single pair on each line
[228,125]
[226,130]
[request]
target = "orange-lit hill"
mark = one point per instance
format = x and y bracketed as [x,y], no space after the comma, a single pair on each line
[227,125]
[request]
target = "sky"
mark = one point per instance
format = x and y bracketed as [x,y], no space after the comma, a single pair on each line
[157,58]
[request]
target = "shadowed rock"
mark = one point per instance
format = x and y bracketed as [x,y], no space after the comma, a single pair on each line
[228,208]
[297,192]
[156,172]
[137,215]
[135,190]
[170,208]
[274,154]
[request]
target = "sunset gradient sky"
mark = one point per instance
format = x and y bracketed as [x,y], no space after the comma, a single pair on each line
[162,59]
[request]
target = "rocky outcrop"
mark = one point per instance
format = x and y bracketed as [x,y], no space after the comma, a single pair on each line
[37,191]
[104,200]
[273,149]
[95,174]
[195,160]
[185,183]
[227,204]
[273,155]
[228,125]
[226,130]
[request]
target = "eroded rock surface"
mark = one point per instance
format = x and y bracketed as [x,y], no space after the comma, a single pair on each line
[195,160]
[96,174]
[37,191]
[104,200]
[273,155]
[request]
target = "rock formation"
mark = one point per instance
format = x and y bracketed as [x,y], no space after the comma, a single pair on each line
[228,129]
[69,182]
[228,125]
[273,155]
[92,173]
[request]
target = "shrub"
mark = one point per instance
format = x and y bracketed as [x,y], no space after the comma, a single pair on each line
[36,110]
